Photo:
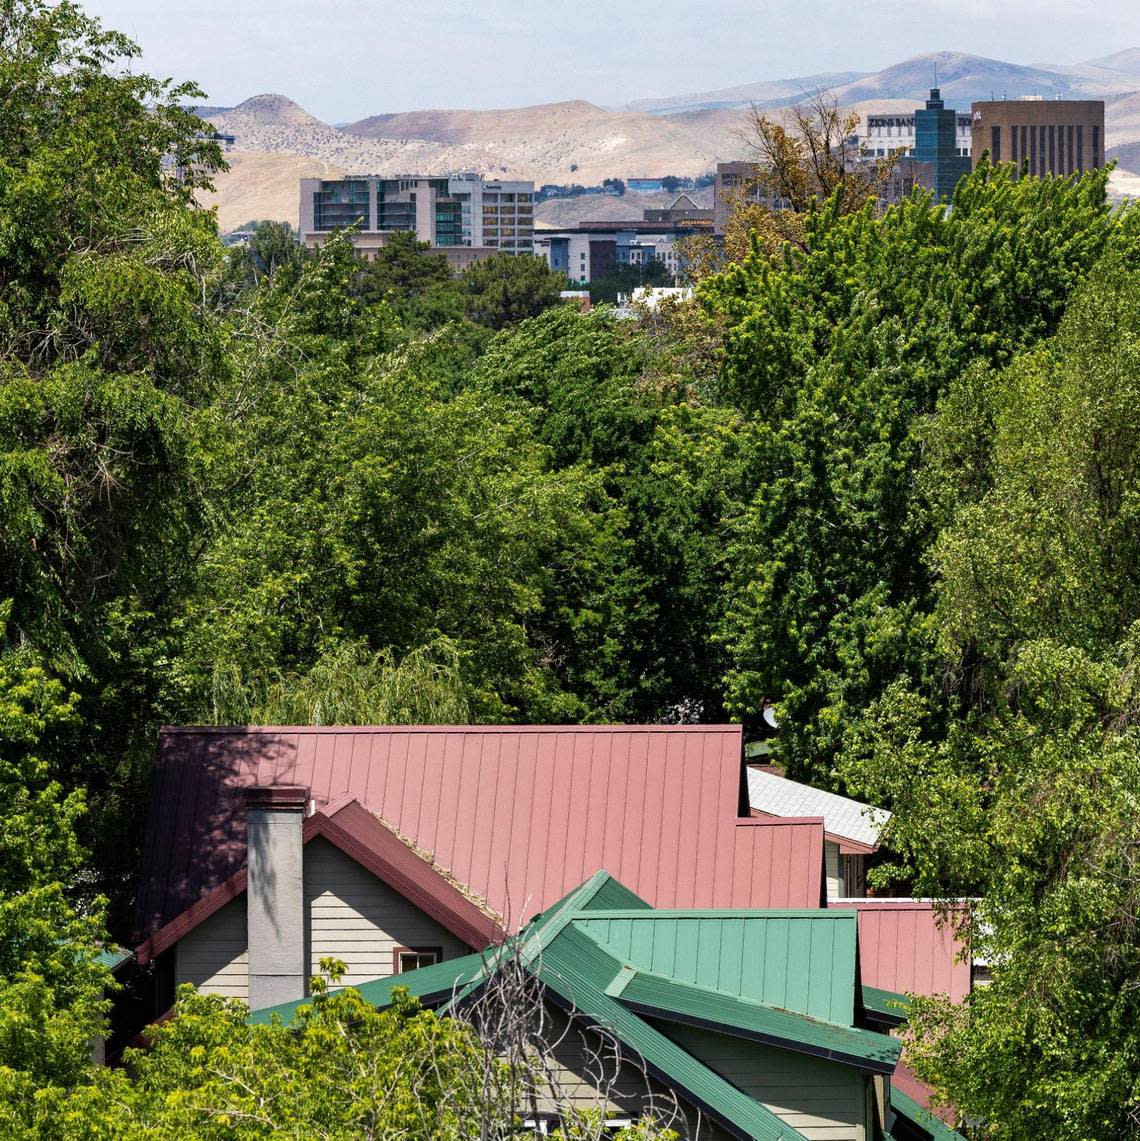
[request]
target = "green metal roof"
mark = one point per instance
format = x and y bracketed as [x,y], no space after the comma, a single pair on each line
[429,984]
[803,961]
[608,895]
[879,1005]
[694,1006]
[922,1120]
[114,957]
[782,977]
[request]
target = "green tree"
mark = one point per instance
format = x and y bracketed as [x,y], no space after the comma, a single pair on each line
[108,344]
[349,685]
[273,248]
[51,986]
[1030,800]
[626,278]
[416,283]
[606,397]
[506,288]
[359,501]
[841,350]
[343,1069]
[339,1069]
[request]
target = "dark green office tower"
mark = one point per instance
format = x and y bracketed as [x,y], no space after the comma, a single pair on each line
[936,143]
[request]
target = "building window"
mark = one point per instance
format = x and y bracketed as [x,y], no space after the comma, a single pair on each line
[1081,149]
[1052,150]
[1097,159]
[1069,169]
[547,1125]
[412,958]
[995,144]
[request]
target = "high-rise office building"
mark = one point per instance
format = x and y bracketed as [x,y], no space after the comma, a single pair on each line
[1054,136]
[889,133]
[936,144]
[464,216]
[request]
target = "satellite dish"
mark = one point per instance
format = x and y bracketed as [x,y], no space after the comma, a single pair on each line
[770,716]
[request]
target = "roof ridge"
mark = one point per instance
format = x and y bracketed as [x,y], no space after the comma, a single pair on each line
[444,873]
[716,913]
[251,730]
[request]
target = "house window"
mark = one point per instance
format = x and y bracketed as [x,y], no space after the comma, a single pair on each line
[547,1125]
[412,958]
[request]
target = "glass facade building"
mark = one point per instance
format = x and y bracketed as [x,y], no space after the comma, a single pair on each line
[936,143]
[453,212]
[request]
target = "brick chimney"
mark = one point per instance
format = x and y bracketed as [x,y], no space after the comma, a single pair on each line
[275,894]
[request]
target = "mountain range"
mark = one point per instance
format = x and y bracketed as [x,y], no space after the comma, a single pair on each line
[278,142]
[961,77]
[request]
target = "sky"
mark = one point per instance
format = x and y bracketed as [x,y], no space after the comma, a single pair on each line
[345,59]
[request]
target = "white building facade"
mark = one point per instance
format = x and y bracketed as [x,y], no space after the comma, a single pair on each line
[890,133]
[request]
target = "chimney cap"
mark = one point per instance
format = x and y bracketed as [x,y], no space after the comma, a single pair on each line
[284,796]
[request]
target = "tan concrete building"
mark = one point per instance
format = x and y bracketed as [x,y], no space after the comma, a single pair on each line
[1055,136]
[368,242]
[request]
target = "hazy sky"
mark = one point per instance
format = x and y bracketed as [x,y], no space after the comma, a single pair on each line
[344,59]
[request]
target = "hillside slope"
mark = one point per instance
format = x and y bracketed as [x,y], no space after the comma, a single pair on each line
[547,141]
[961,76]
[764,93]
[262,185]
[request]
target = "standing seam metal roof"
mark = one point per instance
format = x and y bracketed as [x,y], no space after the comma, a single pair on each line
[517,814]
[695,1006]
[576,968]
[803,961]
[566,947]
[904,947]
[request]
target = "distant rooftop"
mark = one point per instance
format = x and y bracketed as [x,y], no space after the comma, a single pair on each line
[843,818]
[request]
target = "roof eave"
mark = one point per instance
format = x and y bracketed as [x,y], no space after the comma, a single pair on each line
[785,1042]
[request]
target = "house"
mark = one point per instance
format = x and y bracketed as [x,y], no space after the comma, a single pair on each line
[850,829]
[392,848]
[904,943]
[726,1023]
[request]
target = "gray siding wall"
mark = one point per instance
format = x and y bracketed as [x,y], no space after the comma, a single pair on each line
[823,1100]
[349,915]
[213,956]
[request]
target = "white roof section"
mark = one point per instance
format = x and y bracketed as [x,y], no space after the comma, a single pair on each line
[843,818]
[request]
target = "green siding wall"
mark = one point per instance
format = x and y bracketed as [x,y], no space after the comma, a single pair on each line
[825,1101]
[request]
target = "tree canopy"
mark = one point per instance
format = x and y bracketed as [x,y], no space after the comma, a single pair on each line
[881,475]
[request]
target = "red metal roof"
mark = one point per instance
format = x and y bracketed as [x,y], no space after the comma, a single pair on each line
[519,815]
[902,947]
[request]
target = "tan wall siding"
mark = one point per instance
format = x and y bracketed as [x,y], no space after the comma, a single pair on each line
[823,1100]
[586,1075]
[213,956]
[356,918]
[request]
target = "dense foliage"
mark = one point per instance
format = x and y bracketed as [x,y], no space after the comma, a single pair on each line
[882,476]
